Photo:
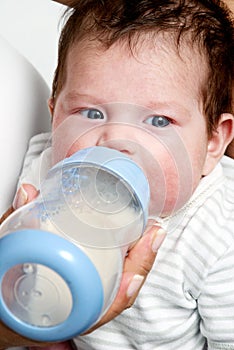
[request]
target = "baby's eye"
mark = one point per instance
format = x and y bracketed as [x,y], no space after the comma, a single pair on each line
[92,113]
[158,120]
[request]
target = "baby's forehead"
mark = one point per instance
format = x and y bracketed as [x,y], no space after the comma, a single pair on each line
[159,60]
[146,46]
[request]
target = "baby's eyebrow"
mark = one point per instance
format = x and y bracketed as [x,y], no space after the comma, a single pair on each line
[73,96]
[172,108]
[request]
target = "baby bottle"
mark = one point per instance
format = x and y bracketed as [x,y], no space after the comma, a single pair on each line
[61,256]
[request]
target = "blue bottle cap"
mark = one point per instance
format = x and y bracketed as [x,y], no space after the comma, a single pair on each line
[50,290]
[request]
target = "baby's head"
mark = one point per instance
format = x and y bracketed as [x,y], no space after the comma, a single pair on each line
[152,79]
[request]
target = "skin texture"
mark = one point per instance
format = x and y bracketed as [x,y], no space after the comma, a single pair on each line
[160,126]
[230,3]
[210,151]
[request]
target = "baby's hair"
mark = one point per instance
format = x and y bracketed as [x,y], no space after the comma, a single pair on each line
[207,24]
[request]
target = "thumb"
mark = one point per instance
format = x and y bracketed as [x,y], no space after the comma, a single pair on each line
[25,194]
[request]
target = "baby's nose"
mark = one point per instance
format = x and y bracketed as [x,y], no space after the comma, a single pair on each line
[118,136]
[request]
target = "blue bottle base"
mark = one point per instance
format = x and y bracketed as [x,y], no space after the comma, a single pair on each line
[50,290]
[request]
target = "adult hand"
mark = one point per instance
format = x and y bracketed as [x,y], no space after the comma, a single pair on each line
[137,265]
[8,338]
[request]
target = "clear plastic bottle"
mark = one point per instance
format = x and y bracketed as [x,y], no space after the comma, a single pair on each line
[61,256]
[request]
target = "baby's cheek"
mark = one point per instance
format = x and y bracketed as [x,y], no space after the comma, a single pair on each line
[164,194]
[174,194]
[70,136]
[170,187]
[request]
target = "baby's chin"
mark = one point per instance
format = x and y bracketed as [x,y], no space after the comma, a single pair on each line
[166,209]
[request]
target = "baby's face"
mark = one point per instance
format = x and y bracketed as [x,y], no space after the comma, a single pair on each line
[147,105]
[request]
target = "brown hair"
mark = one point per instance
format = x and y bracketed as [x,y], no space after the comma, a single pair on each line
[207,23]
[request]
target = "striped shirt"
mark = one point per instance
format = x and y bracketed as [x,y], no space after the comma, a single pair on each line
[188,297]
[187,300]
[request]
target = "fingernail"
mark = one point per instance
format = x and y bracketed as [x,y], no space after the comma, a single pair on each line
[134,285]
[20,198]
[150,224]
[158,239]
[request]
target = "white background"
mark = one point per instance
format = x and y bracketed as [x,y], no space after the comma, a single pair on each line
[32,26]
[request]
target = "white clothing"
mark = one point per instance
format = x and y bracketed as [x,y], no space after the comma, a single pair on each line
[188,297]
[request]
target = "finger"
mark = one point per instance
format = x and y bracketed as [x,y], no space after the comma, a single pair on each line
[138,263]
[6,214]
[141,257]
[8,339]
[67,345]
[25,194]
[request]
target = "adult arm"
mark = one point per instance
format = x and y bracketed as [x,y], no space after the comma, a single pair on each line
[64,2]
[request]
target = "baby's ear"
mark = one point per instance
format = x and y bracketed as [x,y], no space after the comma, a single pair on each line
[218,142]
[51,106]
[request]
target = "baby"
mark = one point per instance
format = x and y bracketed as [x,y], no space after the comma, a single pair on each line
[153,79]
